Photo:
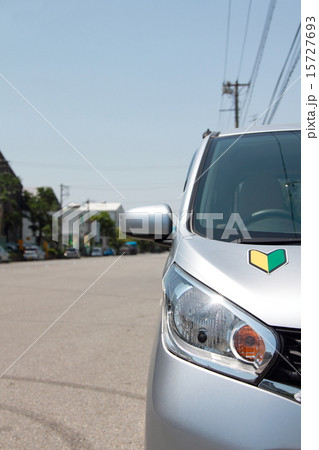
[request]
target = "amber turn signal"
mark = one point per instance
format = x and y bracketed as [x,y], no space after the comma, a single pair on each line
[249,345]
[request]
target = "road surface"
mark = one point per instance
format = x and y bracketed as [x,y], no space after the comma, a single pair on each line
[76,337]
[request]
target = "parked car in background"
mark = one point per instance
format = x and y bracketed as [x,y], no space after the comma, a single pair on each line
[129,248]
[96,251]
[226,366]
[4,255]
[109,252]
[72,253]
[12,247]
[33,253]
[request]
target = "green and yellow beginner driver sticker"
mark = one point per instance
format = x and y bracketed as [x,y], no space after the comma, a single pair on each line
[268,262]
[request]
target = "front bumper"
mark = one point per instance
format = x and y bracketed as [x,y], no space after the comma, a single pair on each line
[189,407]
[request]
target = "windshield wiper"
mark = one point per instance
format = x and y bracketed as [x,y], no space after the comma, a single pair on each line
[269,241]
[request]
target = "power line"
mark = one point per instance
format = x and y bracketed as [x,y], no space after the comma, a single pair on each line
[225,60]
[148,187]
[227,38]
[54,165]
[271,111]
[233,88]
[259,56]
[285,83]
[244,40]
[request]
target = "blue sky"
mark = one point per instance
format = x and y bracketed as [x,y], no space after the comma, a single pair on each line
[131,85]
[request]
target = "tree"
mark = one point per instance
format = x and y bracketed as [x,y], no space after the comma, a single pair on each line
[108,228]
[117,242]
[107,225]
[10,204]
[40,207]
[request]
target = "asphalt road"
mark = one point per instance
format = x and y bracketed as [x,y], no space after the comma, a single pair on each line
[76,337]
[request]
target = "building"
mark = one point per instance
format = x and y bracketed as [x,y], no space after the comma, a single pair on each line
[76,226]
[114,209]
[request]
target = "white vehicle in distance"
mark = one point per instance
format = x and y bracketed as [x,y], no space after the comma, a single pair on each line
[226,366]
[4,255]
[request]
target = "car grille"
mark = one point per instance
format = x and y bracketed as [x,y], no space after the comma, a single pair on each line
[287,368]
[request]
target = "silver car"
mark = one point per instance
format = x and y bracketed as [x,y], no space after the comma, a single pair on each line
[72,253]
[33,253]
[225,369]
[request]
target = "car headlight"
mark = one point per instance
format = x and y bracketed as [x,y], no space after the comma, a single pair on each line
[203,327]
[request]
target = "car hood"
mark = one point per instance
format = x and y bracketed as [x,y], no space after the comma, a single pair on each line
[225,267]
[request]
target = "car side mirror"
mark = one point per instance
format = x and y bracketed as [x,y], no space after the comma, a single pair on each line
[148,222]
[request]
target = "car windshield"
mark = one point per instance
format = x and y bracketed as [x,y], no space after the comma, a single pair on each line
[249,189]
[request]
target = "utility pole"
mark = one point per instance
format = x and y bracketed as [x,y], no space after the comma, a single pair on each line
[228,89]
[64,192]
